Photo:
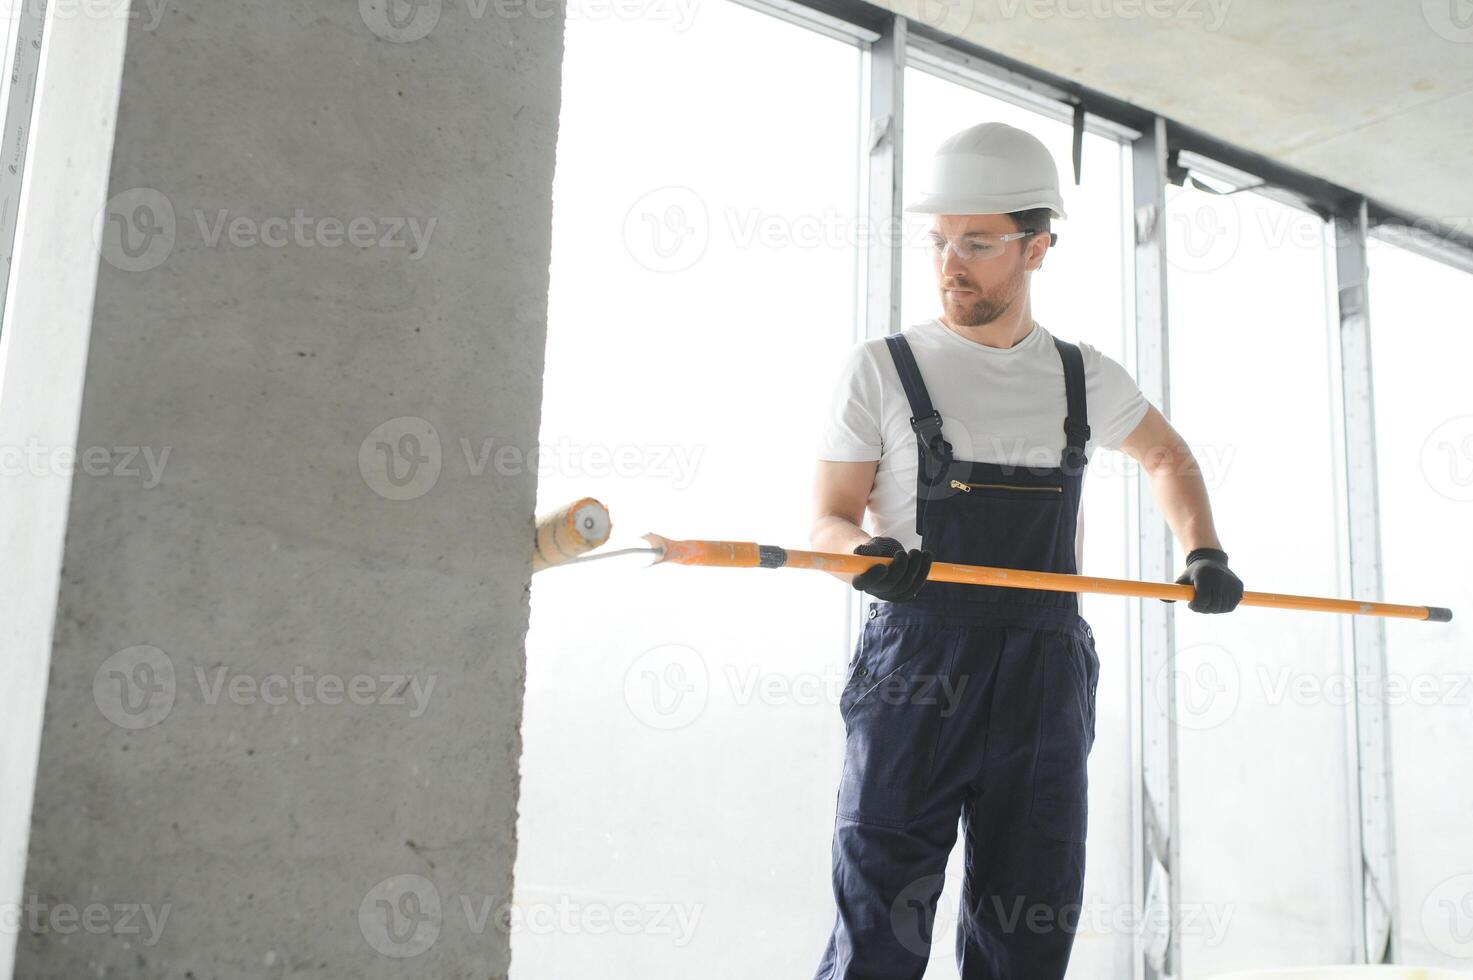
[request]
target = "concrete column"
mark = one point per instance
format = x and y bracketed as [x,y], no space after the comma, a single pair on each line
[281,724]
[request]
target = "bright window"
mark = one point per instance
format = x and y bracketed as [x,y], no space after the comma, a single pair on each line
[682,736]
[1262,739]
[1421,347]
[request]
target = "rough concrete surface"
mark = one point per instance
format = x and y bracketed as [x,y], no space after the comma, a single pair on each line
[281,733]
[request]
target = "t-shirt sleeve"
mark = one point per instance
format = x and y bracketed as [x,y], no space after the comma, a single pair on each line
[851,427]
[1117,404]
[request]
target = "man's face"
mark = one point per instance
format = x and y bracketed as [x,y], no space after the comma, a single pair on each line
[976,292]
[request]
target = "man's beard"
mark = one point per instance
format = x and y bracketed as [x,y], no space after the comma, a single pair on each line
[983,308]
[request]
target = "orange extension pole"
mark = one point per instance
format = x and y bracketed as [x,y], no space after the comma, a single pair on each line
[745,554]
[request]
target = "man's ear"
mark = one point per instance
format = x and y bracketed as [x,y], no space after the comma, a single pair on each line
[1038,247]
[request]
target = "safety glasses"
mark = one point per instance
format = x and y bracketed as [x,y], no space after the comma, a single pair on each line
[977,245]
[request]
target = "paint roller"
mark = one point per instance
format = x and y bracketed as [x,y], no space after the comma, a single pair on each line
[570,531]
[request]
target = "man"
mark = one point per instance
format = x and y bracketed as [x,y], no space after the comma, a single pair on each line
[967,437]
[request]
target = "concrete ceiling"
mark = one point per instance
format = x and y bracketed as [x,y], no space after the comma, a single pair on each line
[1375,95]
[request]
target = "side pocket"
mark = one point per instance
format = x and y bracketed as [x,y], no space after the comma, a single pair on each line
[893,719]
[856,676]
[1060,804]
[1094,684]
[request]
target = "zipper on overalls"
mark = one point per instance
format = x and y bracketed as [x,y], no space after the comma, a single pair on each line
[968,487]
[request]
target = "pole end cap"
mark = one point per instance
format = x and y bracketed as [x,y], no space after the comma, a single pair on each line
[1439,614]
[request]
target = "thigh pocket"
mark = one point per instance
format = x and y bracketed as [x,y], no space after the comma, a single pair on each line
[893,707]
[1060,804]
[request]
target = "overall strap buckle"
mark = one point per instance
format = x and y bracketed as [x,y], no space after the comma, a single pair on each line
[925,422]
[1076,419]
[1076,434]
[928,434]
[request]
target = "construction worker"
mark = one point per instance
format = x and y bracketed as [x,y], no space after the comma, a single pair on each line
[966,437]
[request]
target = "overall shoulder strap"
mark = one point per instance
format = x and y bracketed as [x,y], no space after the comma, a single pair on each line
[925,421]
[1076,421]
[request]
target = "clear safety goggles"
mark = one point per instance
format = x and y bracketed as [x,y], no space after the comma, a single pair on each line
[977,245]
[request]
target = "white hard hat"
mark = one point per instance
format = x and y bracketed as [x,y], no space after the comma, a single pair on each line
[990,168]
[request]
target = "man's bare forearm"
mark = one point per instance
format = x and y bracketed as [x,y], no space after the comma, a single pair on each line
[1181,494]
[834,533]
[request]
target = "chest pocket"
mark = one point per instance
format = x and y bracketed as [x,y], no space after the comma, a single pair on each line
[989,519]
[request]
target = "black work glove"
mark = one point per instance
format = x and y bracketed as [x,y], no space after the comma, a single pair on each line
[1218,589]
[898,581]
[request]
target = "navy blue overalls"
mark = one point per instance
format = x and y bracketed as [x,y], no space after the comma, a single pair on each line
[976,701]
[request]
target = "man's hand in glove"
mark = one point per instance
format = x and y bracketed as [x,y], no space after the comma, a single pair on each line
[1218,589]
[901,579]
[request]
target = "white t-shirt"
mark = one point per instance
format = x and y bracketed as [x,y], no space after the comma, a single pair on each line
[997,406]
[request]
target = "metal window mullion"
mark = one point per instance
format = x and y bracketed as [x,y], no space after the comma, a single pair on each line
[883,213]
[1159,884]
[1377,843]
